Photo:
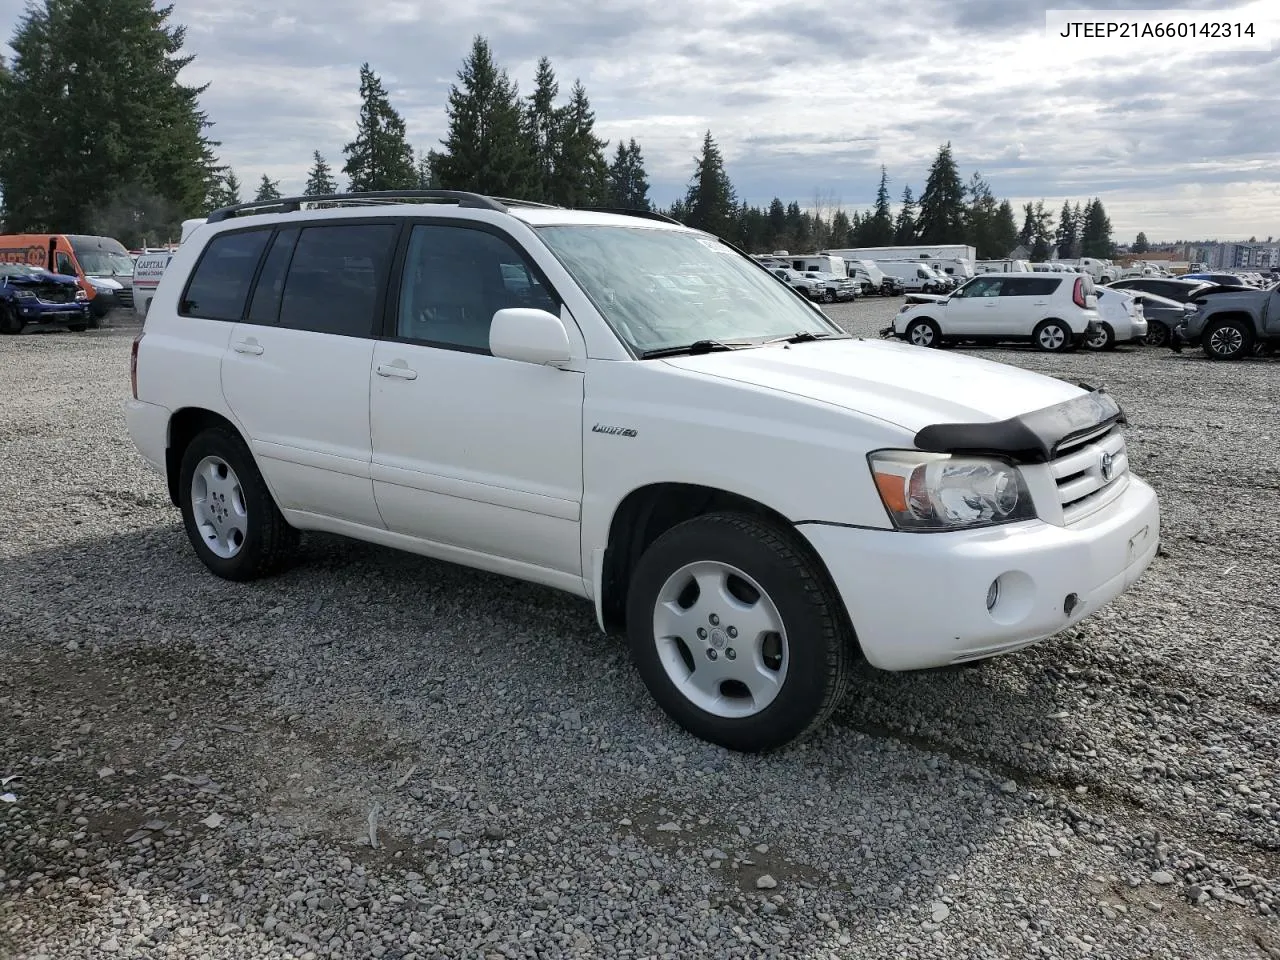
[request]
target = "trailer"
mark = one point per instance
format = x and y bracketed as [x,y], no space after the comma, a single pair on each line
[942,251]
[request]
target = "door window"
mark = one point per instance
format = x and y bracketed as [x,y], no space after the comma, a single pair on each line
[220,284]
[1029,286]
[982,287]
[336,278]
[265,306]
[455,280]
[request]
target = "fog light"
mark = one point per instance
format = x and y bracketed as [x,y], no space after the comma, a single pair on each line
[993,594]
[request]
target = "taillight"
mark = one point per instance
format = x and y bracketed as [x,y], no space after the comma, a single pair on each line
[133,364]
[1077,294]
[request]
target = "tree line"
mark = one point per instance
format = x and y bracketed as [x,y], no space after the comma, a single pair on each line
[112,143]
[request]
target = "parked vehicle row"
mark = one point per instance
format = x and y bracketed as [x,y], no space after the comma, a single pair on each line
[100,266]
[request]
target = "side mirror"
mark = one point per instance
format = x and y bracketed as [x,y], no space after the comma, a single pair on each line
[529,336]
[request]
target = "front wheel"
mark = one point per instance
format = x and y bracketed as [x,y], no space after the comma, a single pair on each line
[1227,340]
[828,296]
[229,514]
[10,322]
[1052,336]
[736,632]
[924,333]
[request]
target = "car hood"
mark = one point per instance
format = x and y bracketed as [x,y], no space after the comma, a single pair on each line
[892,381]
[43,278]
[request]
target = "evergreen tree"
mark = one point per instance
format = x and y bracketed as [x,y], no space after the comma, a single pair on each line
[379,158]
[268,189]
[1043,239]
[320,180]
[99,121]
[710,198]
[1068,232]
[904,230]
[581,172]
[1005,233]
[942,203]
[880,230]
[226,191]
[1095,234]
[542,122]
[980,219]
[628,182]
[778,225]
[486,149]
[1027,235]
[840,230]
[1141,244]
[427,165]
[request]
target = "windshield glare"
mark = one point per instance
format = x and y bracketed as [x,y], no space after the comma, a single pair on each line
[662,288]
[104,263]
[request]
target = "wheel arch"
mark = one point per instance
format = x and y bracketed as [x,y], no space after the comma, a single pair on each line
[184,425]
[647,512]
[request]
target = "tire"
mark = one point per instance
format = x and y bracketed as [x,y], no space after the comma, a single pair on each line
[244,506]
[1157,335]
[828,296]
[10,323]
[1104,339]
[923,332]
[1227,340]
[802,640]
[1052,336]
[77,327]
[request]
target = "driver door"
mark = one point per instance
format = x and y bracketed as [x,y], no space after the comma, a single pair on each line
[472,451]
[973,310]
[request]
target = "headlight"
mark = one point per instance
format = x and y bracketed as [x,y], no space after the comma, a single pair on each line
[24,294]
[936,491]
[81,295]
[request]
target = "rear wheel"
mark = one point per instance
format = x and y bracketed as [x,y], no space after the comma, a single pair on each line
[736,632]
[1104,338]
[924,332]
[1052,336]
[229,514]
[1227,340]
[1157,335]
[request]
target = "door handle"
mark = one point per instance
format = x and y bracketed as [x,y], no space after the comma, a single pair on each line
[1040,303]
[248,346]
[397,369]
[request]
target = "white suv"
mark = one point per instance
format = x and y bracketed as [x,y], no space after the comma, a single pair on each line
[1055,311]
[754,496]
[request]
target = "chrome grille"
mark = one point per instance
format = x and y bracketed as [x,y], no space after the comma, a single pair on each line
[1084,486]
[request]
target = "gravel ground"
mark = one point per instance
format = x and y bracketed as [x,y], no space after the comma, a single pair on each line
[378,755]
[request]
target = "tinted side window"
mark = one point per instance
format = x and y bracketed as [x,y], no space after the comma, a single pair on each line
[220,284]
[1029,287]
[265,306]
[336,278]
[456,279]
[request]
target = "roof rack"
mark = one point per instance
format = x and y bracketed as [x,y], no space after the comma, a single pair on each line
[293,204]
[629,212]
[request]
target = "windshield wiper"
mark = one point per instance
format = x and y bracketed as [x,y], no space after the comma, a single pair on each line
[804,336]
[698,347]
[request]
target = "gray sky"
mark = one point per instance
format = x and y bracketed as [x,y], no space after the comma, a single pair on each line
[806,100]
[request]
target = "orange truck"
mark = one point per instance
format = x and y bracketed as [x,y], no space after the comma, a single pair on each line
[101,265]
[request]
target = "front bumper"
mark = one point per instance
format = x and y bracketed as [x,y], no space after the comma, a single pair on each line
[33,312]
[918,600]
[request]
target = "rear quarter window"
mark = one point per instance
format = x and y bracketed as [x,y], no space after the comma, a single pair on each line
[1030,286]
[219,285]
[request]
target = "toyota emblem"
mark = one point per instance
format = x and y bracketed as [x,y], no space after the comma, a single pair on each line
[1108,465]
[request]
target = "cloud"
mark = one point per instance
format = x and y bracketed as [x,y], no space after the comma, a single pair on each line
[802,99]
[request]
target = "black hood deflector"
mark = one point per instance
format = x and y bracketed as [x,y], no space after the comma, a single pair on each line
[1034,437]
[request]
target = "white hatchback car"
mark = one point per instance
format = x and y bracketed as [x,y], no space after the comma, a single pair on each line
[1120,320]
[752,495]
[1055,311]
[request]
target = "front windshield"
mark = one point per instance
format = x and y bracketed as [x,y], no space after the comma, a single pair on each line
[663,288]
[103,263]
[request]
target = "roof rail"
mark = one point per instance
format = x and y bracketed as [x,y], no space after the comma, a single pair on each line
[628,212]
[293,204]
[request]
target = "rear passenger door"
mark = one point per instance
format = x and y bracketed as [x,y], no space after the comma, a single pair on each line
[296,371]
[1025,301]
